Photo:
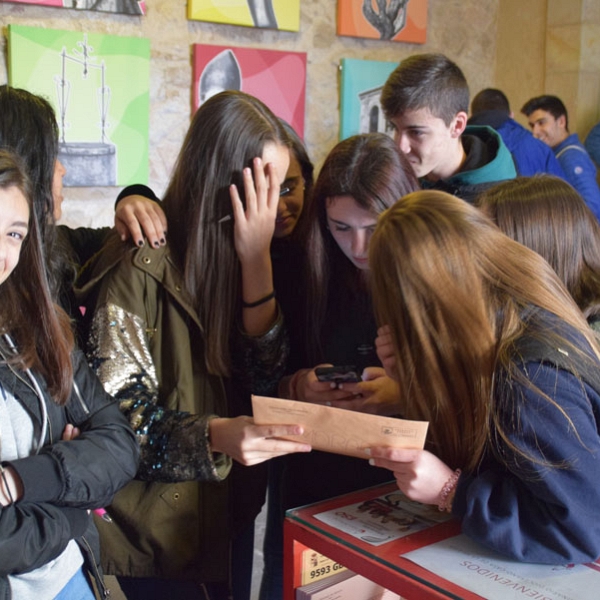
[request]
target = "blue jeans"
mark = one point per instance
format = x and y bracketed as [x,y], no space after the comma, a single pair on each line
[77,588]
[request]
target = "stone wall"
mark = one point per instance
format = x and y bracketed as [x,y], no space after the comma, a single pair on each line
[465,30]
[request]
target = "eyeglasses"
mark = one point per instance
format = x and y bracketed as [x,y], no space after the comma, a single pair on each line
[282,192]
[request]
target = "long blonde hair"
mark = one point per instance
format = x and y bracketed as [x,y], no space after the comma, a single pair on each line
[454,291]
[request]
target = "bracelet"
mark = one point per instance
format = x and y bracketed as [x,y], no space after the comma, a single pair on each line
[259,302]
[447,492]
[8,492]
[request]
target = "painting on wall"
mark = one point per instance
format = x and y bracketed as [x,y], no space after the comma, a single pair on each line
[392,20]
[360,92]
[128,7]
[268,14]
[99,86]
[277,78]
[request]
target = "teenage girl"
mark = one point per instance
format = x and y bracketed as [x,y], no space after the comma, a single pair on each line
[483,337]
[48,543]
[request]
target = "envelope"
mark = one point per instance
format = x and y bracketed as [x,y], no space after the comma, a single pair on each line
[338,430]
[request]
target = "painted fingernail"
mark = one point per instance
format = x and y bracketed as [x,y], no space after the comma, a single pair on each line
[156,244]
[162,241]
[140,243]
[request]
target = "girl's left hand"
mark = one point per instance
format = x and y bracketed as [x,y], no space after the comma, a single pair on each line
[254,227]
[420,475]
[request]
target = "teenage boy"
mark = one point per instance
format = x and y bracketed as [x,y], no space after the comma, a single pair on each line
[549,121]
[426,99]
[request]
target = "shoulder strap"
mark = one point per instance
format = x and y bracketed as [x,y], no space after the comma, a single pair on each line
[570,147]
[532,349]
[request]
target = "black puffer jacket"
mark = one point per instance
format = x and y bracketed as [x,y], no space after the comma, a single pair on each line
[62,480]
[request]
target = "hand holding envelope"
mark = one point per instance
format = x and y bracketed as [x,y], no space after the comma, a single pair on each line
[337,430]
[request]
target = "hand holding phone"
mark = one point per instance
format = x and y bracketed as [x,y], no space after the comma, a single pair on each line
[338,374]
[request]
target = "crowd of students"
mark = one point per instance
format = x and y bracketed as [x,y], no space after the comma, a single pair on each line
[462,293]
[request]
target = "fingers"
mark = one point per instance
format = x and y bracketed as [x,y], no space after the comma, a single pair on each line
[70,432]
[236,204]
[383,331]
[275,431]
[153,226]
[273,449]
[371,373]
[137,216]
[273,188]
[261,188]
[396,456]
[267,441]
[127,231]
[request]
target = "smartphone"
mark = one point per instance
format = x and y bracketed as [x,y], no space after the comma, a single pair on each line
[338,374]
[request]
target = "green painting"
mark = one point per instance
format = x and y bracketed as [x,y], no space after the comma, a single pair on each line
[99,88]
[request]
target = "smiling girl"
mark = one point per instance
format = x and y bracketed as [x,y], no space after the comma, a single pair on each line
[48,543]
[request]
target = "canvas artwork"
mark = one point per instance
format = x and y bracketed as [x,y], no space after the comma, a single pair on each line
[277,78]
[360,92]
[269,14]
[393,20]
[128,7]
[99,86]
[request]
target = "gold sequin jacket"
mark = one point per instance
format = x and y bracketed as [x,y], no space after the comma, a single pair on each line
[147,347]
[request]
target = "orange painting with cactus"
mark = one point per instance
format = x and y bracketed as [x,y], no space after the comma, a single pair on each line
[390,20]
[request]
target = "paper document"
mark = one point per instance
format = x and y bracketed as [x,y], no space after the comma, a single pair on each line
[338,430]
[495,577]
[380,520]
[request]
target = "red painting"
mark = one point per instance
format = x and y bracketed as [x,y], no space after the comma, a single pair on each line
[277,78]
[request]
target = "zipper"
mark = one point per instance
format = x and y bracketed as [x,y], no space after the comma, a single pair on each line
[86,410]
[34,387]
[104,591]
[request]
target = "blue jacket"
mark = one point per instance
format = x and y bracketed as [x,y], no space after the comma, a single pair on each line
[531,155]
[592,144]
[534,511]
[580,171]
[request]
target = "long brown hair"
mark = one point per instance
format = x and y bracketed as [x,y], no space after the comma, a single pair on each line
[371,169]
[41,330]
[227,132]
[547,215]
[28,128]
[454,291]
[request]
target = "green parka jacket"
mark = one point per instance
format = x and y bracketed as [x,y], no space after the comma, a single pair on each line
[147,347]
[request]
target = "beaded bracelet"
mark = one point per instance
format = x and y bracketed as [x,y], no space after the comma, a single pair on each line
[263,300]
[447,492]
[8,492]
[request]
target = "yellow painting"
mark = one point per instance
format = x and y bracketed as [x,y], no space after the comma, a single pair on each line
[267,14]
